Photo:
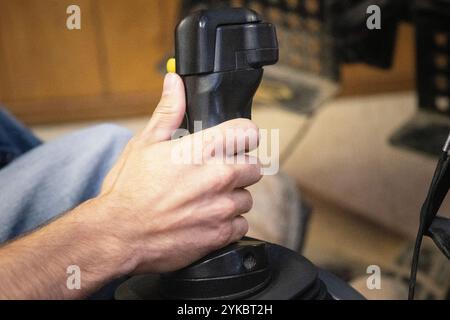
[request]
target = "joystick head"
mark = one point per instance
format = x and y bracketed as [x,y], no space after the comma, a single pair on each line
[220,54]
[224,40]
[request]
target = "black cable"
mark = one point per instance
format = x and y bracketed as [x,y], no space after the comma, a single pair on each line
[436,194]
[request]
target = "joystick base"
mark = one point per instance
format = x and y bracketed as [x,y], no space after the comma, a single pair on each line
[292,277]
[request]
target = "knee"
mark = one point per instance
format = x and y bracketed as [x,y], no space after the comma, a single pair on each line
[100,141]
[107,134]
[109,130]
[94,151]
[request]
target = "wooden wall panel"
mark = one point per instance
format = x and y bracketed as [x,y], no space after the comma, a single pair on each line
[41,57]
[3,79]
[109,68]
[136,42]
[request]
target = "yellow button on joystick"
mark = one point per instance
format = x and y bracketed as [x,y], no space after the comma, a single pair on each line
[171,65]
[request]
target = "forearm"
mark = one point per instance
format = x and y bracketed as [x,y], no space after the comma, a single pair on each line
[35,266]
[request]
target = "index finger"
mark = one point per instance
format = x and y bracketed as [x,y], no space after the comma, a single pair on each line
[232,137]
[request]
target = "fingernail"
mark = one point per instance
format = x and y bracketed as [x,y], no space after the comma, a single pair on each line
[170,81]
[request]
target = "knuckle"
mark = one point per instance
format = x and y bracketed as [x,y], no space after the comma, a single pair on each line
[229,206]
[225,208]
[225,175]
[257,170]
[253,128]
[249,201]
[245,227]
[240,123]
[244,122]
[228,173]
[250,129]
[224,234]
[165,107]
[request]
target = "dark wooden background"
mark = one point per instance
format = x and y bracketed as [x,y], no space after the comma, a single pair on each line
[109,68]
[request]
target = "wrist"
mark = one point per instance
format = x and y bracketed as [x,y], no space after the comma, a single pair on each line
[101,230]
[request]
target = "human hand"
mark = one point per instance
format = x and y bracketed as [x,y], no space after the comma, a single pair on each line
[166,214]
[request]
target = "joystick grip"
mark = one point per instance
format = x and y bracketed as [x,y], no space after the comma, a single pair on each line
[217,97]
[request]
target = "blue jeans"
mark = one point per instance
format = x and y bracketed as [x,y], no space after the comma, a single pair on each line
[15,139]
[41,181]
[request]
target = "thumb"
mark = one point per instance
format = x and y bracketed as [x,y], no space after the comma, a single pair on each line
[169,113]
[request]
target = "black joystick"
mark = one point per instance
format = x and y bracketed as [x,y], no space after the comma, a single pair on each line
[220,54]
